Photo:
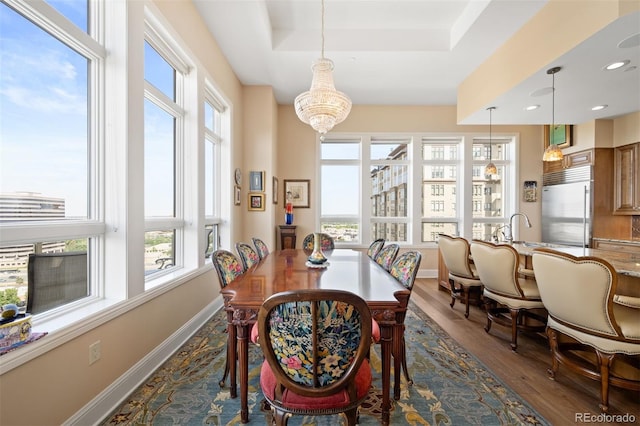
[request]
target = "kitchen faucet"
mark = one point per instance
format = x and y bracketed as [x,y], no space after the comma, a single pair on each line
[509,227]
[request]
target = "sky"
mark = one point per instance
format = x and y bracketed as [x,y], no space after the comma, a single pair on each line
[43,104]
[44,116]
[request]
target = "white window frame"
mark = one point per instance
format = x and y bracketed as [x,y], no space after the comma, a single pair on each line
[464,212]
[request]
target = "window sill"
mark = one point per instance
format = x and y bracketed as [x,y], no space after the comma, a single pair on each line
[66,327]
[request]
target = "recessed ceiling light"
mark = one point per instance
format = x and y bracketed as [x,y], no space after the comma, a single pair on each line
[531,107]
[631,41]
[599,107]
[616,65]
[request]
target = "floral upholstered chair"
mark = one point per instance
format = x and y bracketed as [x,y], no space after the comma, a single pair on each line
[404,269]
[387,255]
[375,247]
[261,247]
[326,243]
[228,268]
[248,255]
[315,344]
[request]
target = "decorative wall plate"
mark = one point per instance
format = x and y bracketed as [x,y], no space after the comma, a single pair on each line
[238,176]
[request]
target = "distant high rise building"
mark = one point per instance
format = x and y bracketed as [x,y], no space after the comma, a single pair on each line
[28,206]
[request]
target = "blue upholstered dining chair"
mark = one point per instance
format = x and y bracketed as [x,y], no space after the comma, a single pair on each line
[404,269]
[375,247]
[248,255]
[261,247]
[315,344]
[387,255]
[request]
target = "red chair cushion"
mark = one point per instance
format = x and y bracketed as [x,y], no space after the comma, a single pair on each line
[254,333]
[375,331]
[291,400]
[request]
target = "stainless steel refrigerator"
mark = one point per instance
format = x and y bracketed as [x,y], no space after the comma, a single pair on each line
[567,206]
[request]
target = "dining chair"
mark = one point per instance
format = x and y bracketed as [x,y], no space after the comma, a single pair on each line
[248,256]
[509,300]
[261,247]
[315,345]
[375,247]
[55,279]
[387,255]
[578,293]
[404,269]
[228,268]
[463,277]
[326,242]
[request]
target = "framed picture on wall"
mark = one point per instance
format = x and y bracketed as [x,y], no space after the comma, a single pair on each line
[236,195]
[561,135]
[256,201]
[256,181]
[299,190]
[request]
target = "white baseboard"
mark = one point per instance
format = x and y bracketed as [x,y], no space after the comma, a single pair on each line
[427,273]
[96,410]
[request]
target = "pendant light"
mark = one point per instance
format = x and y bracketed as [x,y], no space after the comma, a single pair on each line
[553,152]
[322,106]
[491,168]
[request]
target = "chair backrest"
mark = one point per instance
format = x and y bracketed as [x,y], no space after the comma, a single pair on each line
[227,266]
[456,253]
[315,340]
[405,268]
[387,255]
[326,243]
[375,247]
[261,247]
[497,267]
[577,291]
[248,256]
[56,279]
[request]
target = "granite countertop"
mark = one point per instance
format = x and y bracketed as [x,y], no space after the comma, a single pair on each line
[624,263]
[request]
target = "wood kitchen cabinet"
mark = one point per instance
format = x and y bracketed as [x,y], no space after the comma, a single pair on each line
[627,179]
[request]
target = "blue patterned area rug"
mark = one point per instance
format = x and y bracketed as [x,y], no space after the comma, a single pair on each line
[451,386]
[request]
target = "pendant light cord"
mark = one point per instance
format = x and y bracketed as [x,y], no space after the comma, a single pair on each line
[322,29]
[553,103]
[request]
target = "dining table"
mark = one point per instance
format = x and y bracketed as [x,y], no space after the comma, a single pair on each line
[290,270]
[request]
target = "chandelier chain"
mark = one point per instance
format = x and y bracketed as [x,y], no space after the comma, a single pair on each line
[322,30]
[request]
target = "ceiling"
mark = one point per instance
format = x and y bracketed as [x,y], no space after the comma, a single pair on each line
[417,52]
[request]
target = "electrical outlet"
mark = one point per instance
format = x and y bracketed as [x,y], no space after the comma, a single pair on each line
[95,351]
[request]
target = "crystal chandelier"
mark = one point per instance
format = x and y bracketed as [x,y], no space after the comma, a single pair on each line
[552,153]
[322,106]
[490,168]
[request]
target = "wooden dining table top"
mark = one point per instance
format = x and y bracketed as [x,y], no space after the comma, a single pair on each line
[346,269]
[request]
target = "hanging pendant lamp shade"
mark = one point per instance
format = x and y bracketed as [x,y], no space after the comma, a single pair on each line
[322,106]
[552,152]
[490,168]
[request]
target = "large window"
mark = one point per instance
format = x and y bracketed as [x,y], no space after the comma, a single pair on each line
[213,139]
[103,155]
[411,188]
[49,86]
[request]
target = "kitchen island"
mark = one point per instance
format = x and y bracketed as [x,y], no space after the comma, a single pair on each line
[626,264]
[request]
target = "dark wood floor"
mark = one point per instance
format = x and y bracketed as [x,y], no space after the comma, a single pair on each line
[524,371]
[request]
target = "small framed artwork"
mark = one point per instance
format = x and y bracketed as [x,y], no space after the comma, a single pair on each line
[256,201]
[274,182]
[299,192]
[530,191]
[256,181]
[560,136]
[236,195]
